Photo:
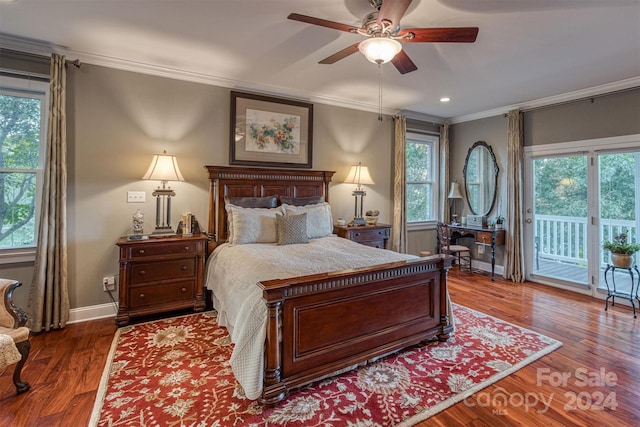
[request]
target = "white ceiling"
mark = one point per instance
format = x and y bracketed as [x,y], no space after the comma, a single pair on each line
[526,50]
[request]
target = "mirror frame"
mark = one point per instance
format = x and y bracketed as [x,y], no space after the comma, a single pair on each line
[495,184]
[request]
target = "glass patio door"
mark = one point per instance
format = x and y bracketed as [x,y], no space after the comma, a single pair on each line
[619,204]
[575,200]
[556,219]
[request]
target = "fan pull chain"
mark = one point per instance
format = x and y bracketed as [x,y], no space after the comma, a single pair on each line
[379,92]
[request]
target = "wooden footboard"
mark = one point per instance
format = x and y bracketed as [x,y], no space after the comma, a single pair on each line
[324,323]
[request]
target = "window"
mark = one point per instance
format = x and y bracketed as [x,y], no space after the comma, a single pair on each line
[23,106]
[421,178]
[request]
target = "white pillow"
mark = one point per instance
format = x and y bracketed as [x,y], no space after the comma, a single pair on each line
[252,225]
[319,219]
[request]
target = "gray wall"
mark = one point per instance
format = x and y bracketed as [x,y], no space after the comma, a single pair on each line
[603,116]
[117,120]
[462,136]
[600,117]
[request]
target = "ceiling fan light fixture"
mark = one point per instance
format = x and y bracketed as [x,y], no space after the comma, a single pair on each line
[380,50]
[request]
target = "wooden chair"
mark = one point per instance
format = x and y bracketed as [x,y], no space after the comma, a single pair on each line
[462,253]
[12,321]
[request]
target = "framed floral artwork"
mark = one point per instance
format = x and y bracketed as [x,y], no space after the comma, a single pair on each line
[267,131]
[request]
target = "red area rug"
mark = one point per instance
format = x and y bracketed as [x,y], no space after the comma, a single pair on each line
[174,372]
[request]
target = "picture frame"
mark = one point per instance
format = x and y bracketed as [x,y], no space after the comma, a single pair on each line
[269,131]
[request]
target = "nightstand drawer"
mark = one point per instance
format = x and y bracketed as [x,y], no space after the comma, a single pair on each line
[145,272]
[172,248]
[150,295]
[363,235]
[371,235]
[161,274]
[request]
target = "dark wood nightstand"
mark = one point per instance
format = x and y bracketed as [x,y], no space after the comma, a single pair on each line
[160,274]
[371,235]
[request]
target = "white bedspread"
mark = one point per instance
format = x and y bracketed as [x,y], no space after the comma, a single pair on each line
[232,274]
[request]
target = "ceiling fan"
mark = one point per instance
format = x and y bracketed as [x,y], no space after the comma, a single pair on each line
[384,34]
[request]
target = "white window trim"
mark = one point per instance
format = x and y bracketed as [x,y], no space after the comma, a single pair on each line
[435,158]
[38,89]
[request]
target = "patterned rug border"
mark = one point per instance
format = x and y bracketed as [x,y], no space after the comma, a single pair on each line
[494,379]
[554,345]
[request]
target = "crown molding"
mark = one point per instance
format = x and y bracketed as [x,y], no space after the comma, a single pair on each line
[37,47]
[43,48]
[630,83]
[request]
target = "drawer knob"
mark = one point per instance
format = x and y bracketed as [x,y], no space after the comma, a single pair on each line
[184,267]
[379,232]
[186,248]
[141,296]
[141,251]
[142,272]
[357,234]
[184,290]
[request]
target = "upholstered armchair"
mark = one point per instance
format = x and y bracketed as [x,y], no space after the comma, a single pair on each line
[13,334]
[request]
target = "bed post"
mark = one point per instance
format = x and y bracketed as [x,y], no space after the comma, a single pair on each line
[273,390]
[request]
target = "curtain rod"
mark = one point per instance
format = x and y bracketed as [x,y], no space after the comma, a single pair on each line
[74,62]
[584,98]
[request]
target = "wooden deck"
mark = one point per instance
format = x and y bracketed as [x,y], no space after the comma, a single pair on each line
[579,274]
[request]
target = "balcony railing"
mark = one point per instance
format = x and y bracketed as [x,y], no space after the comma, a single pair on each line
[564,238]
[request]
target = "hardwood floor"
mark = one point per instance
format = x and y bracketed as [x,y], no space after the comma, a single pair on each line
[599,358]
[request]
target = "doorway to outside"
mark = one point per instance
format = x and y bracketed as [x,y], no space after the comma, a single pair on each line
[578,195]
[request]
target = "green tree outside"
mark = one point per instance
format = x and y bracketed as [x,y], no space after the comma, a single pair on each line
[19,157]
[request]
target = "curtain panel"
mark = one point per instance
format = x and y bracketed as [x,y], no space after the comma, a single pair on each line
[514,245]
[399,231]
[48,306]
[444,173]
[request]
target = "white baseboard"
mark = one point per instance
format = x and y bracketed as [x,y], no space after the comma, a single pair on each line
[92,312]
[486,266]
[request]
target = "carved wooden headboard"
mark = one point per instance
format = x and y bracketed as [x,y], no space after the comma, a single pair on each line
[258,182]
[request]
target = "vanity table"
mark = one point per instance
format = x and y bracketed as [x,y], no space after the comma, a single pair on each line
[489,237]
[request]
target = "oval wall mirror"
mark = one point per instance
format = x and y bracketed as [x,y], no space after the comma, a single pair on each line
[480,178]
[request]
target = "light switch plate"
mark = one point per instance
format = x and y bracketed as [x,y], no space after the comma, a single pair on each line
[136,196]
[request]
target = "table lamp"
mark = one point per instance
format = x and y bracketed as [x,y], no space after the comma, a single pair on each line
[359,175]
[454,194]
[163,168]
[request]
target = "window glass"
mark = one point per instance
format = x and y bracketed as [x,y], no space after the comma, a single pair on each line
[421,177]
[22,130]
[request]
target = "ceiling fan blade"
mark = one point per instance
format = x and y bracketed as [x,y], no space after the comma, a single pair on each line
[322,22]
[403,63]
[440,35]
[341,55]
[393,11]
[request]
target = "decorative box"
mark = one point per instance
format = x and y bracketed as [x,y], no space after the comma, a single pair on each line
[476,220]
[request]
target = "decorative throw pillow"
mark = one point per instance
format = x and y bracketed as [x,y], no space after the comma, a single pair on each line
[292,229]
[319,219]
[301,201]
[252,225]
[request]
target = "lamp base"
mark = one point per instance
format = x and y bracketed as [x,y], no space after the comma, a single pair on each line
[163,231]
[358,221]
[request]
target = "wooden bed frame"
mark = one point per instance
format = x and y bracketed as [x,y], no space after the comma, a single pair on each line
[321,324]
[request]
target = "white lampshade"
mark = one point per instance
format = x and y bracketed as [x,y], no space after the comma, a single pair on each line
[164,167]
[359,175]
[455,193]
[380,50]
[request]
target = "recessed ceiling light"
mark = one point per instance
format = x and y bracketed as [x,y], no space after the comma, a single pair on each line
[445,99]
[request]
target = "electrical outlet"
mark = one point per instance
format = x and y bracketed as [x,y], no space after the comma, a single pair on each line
[136,197]
[109,283]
